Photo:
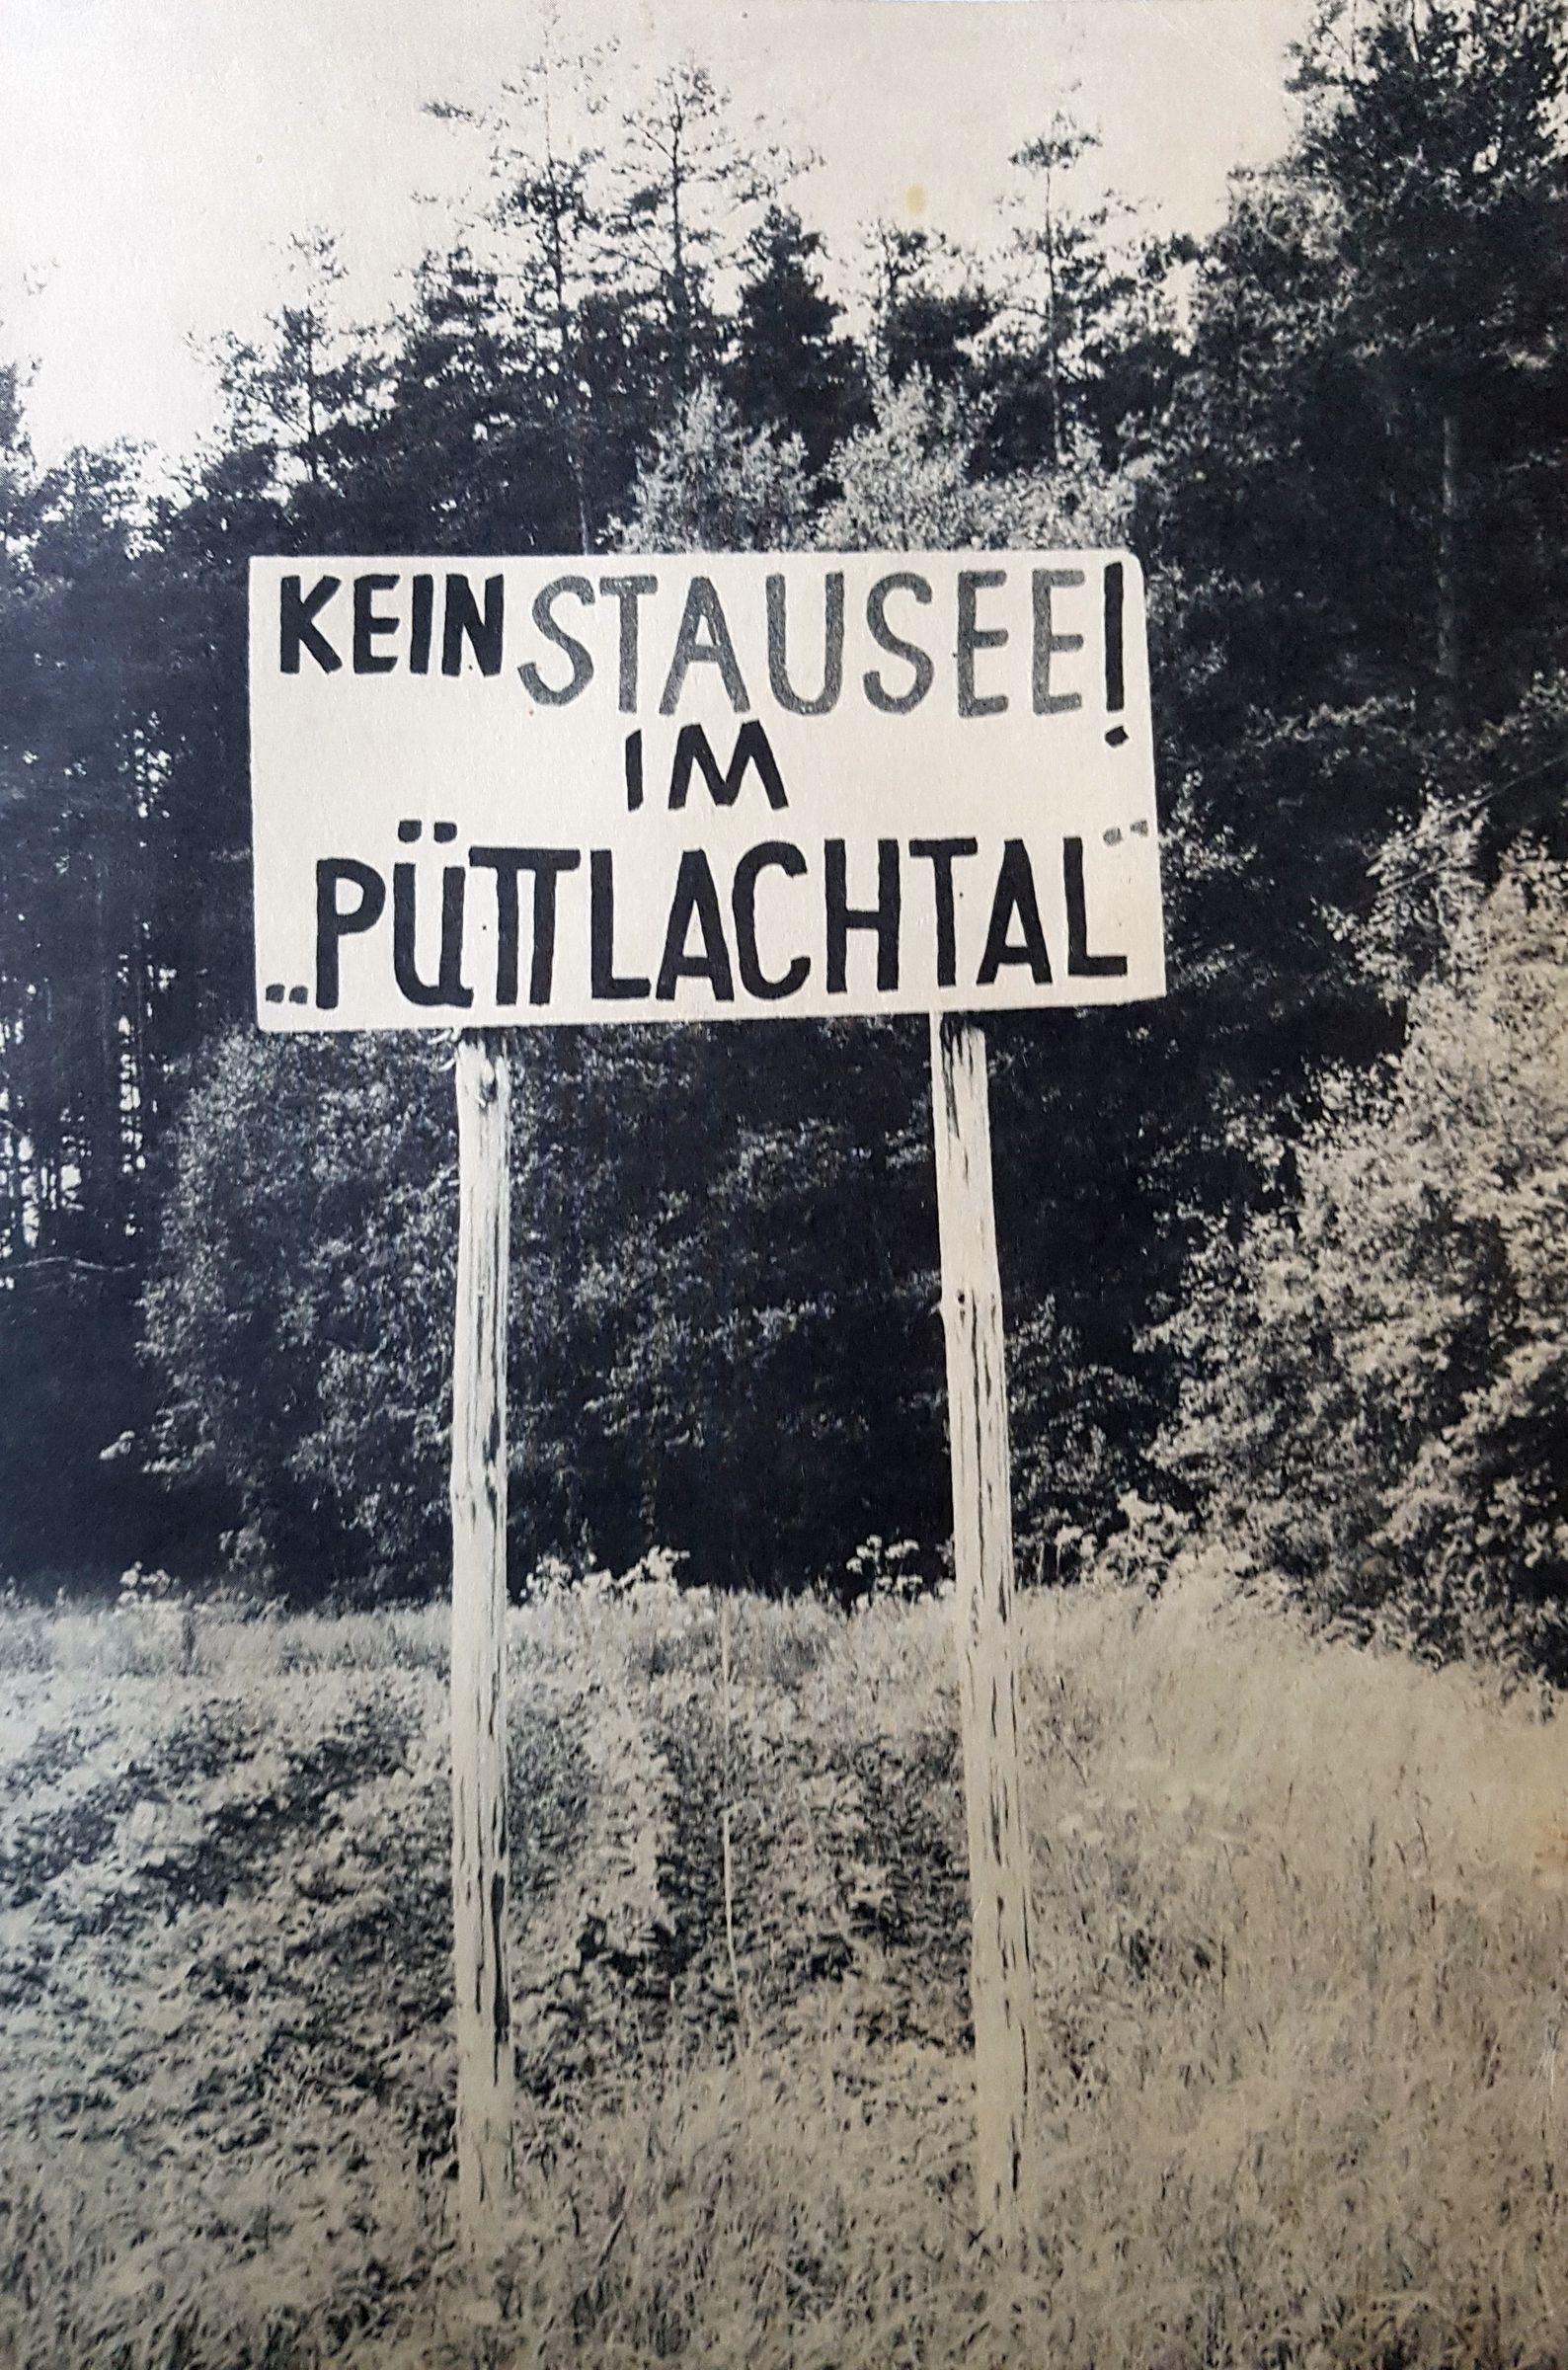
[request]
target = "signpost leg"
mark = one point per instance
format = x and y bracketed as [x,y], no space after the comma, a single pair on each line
[479,1646]
[1001,1969]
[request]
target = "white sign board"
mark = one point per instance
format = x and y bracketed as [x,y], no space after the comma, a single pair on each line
[758,786]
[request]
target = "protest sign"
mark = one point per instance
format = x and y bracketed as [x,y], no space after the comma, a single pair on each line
[747,786]
[754,786]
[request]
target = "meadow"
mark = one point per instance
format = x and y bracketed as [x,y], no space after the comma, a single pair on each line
[1300,1915]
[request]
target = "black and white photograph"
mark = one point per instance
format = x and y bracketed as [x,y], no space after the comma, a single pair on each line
[783,1184]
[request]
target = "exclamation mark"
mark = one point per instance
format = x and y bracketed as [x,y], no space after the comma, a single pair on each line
[1115,683]
[634,771]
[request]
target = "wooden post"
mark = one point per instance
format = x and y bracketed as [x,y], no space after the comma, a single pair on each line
[479,1646]
[1000,1965]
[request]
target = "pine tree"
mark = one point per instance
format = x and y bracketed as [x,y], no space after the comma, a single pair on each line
[794,371]
[547,213]
[927,307]
[1062,285]
[1435,131]
[687,189]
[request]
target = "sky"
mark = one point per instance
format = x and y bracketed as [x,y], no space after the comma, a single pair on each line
[156,155]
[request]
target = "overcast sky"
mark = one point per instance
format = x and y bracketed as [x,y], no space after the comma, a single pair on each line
[156,154]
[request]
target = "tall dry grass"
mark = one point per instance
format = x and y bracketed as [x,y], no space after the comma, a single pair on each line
[1299,1946]
[1299,1925]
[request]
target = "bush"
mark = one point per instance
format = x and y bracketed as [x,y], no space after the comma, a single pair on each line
[1377,1394]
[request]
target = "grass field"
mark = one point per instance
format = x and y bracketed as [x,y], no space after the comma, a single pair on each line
[1300,1926]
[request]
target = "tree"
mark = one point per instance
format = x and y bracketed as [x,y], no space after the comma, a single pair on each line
[549,209]
[82,1068]
[1435,131]
[724,1336]
[1291,526]
[708,485]
[78,784]
[293,399]
[906,479]
[470,449]
[298,401]
[1063,286]
[927,309]
[792,371]
[911,479]
[1373,415]
[686,187]
[295,1310]
[1378,1406]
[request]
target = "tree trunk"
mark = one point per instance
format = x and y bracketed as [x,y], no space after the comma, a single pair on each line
[1053,364]
[1449,651]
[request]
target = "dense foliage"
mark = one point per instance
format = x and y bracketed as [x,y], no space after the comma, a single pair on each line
[1336,431]
[1377,1402]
